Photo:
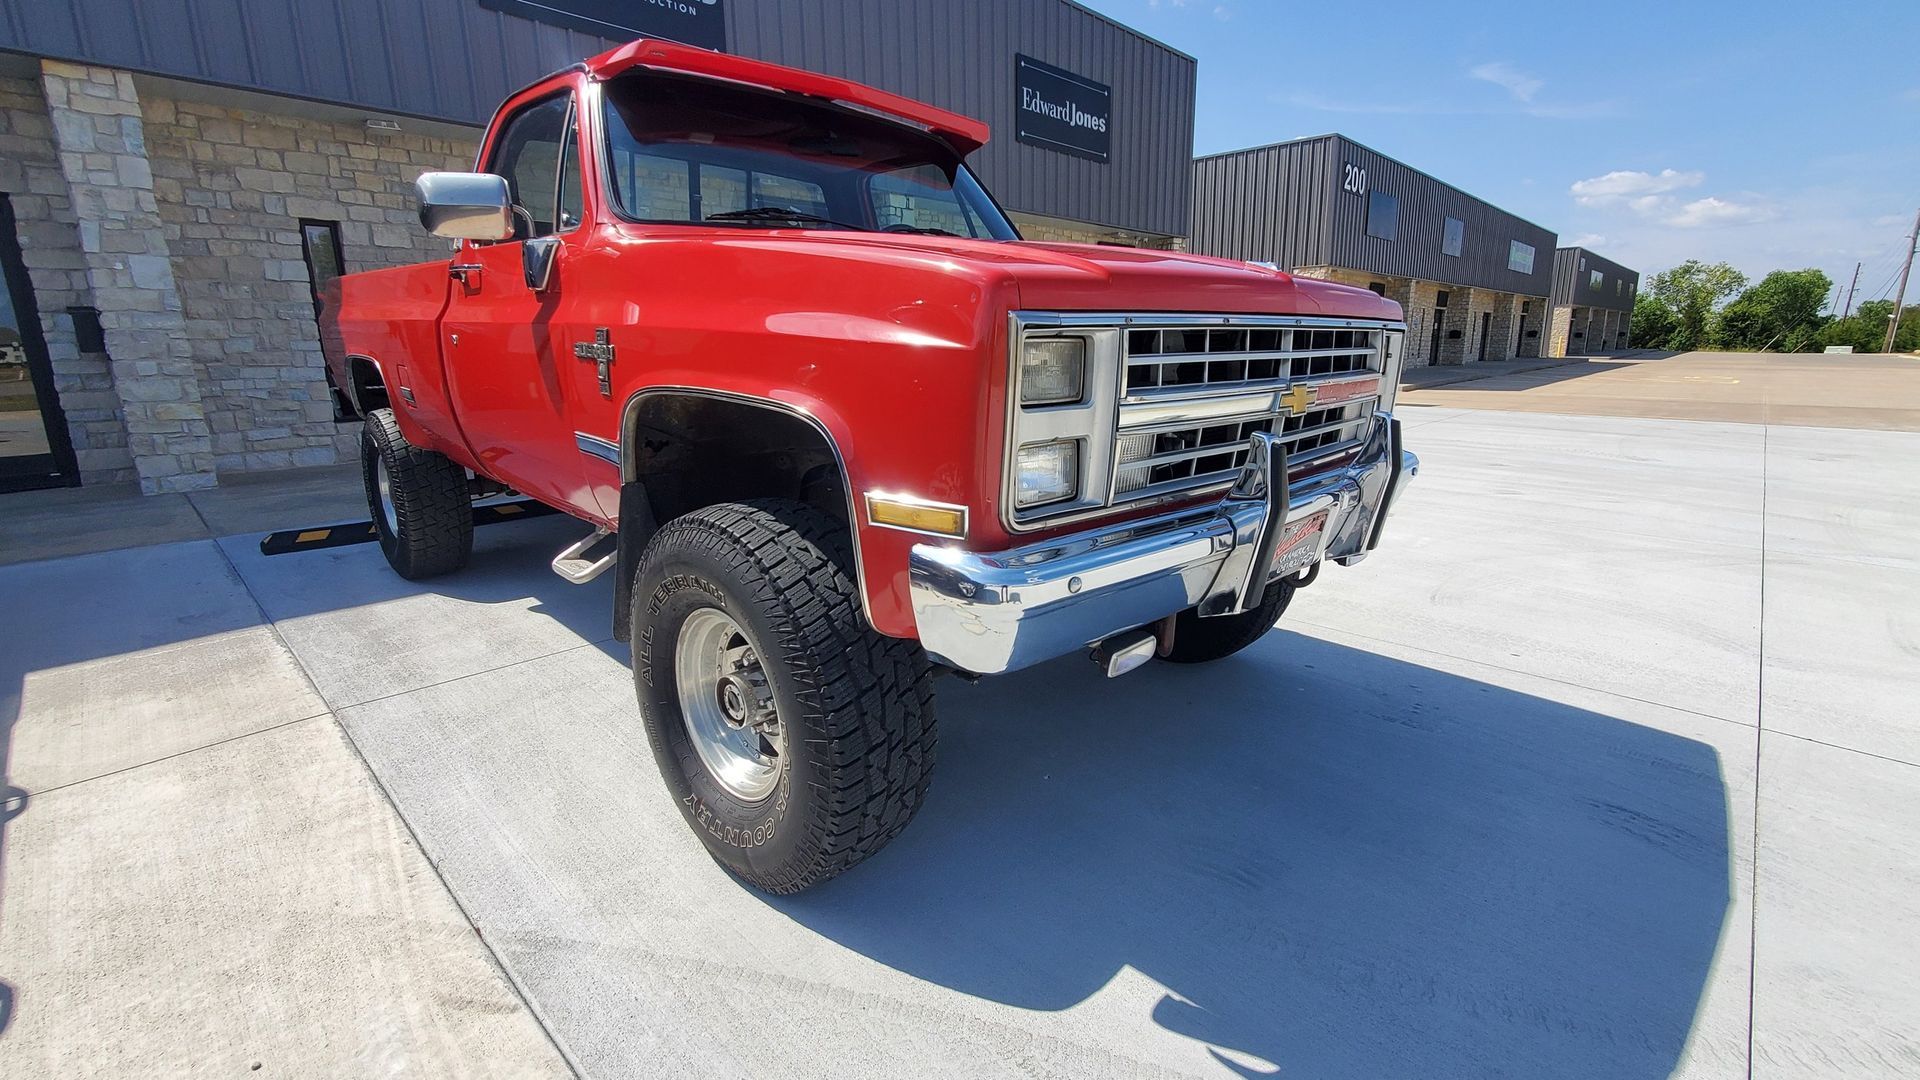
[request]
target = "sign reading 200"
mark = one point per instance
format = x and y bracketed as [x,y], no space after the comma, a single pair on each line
[1353,179]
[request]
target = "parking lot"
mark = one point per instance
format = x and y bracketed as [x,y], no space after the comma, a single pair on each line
[1606,765]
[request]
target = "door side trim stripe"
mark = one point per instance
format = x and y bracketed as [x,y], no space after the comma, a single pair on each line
[595,446]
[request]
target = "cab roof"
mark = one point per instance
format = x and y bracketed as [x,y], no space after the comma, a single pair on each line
[963,133]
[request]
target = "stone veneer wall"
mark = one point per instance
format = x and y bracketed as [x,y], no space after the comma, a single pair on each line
[101,138]
[233,187]
[50,246]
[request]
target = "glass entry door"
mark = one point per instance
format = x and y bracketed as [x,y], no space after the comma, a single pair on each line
[35,451]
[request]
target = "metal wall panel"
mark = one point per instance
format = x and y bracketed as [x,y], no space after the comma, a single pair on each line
[453,60]
[1268,204]
[1573,285]
[1285,204]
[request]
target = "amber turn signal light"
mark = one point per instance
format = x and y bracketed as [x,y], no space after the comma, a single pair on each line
[917,515]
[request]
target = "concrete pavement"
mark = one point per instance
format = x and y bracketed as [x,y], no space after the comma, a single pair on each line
[198,873]
[1604,766]
[1879,392]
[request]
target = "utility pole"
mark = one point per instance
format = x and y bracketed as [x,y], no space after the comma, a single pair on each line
[1850,288]
[1900,294]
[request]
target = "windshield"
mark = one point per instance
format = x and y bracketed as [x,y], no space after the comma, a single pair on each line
[691,151]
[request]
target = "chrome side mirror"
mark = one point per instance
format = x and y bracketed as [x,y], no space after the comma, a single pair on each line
[465,206]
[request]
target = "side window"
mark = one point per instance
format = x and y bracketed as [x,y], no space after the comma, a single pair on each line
[569,193]
[529,154]
[921,197]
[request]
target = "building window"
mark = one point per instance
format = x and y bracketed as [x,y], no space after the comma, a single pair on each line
[1383,215]
[1440,298]
[1454,235]
[1520,257]
[1619,288]
[1379,287]
[1597,279]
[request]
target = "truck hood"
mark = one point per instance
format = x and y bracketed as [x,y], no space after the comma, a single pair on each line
[1086,277]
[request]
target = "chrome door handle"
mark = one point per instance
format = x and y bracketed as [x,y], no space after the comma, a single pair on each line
[461,270]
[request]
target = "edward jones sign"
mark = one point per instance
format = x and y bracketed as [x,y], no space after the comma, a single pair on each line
[1061,111]
[691,22]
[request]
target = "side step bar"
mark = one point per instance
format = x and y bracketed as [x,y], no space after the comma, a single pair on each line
[574,565]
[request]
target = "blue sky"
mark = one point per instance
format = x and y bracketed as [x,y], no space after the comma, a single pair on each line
[1769,135]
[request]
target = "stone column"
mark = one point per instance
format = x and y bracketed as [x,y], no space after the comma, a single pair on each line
[98,132]
[1560,332]
[1506,324]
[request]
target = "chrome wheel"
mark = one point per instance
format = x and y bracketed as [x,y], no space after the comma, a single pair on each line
[728,704]
[383,485]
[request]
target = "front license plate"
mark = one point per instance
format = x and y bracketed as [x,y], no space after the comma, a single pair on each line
[1299,545]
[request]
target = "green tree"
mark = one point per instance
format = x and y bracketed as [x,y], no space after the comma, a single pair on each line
[1653,322]
[1781,312]
[1866,328]
[1694,291]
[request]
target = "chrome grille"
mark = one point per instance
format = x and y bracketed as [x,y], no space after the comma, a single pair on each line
[1162,461]
[1184,358]
[1192,395]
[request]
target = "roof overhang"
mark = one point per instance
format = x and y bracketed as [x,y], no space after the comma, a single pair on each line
[963,133]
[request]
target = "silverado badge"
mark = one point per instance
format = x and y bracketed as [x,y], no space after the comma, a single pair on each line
[600,352]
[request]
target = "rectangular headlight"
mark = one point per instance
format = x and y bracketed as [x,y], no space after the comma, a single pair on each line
[1046,472]
[1053,370]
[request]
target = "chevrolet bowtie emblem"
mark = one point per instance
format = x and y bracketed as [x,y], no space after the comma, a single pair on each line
[1298,398]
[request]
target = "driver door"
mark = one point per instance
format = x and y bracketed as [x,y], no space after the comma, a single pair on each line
[508,353]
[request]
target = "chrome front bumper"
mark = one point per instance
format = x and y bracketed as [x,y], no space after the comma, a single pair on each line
[998,612]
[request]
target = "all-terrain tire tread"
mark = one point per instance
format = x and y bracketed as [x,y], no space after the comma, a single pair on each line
[868,698]
[430,501]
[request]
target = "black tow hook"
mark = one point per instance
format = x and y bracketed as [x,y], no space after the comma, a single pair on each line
[1306,577]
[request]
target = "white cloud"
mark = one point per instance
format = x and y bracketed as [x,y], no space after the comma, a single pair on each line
[1322,103]
[1627,184]
[1587,240]
[1715,211]
[1509,78]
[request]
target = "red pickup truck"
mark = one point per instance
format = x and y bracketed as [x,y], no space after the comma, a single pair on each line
[835,428]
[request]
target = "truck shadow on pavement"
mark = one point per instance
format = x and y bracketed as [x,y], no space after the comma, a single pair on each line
[1336,863]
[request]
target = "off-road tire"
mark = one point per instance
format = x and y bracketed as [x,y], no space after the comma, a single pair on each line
[432,530]
[856,707]
[1197,640]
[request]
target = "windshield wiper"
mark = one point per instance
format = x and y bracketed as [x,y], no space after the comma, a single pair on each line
[782,213]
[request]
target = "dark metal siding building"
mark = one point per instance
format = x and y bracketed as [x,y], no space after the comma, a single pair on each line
[1592,303]
[1583,279]
[454,60]
[180,179]
[1473,278]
